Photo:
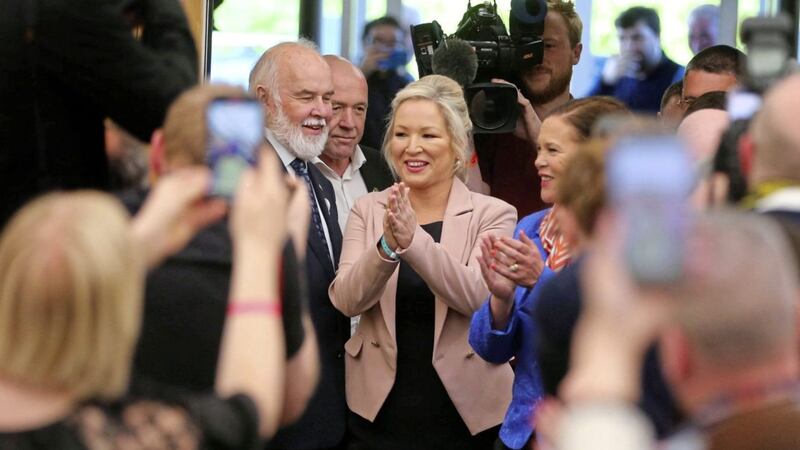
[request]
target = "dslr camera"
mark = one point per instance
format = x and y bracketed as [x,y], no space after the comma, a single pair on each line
[500,54]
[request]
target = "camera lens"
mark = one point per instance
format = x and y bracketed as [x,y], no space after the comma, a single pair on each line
[491,109]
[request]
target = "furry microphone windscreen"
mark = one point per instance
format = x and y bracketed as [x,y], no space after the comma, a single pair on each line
[456,59]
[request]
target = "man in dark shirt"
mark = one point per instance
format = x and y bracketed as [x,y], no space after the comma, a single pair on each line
[640,74]
[68,65]
[186,297]
[385,57]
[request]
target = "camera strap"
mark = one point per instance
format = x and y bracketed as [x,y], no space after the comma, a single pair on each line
[31,16]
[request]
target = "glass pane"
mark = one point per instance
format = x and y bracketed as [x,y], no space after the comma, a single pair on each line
[331,38]
[244,29]
[375,9]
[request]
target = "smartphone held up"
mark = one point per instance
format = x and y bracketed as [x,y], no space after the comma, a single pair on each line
[649,181]
[235,133]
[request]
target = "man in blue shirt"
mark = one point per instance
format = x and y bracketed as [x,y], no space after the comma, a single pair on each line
[640,74]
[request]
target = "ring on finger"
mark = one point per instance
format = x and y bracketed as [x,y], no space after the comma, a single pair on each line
[514,267]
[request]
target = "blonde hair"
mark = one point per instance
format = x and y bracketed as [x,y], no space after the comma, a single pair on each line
[449,97]
[573,21]
[71,296]
[185,130]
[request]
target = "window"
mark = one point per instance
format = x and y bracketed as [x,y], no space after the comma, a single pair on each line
[244,29]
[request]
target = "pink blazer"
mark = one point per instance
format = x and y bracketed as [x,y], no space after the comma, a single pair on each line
[366,284]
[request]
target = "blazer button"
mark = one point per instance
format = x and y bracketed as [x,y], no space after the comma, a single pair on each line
[375,343]
[470,354]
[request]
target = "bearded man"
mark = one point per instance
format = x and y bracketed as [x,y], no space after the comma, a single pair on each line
[294,84]
[506,161]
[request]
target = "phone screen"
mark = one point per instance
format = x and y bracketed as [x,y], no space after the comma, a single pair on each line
[649,181]
[235,132]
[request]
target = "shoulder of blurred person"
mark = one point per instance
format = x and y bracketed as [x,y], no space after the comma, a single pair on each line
[69,65]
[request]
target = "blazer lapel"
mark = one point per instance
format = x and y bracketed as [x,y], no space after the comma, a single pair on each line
[454,239]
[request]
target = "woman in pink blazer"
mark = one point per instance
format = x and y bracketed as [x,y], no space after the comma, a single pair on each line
[409,268]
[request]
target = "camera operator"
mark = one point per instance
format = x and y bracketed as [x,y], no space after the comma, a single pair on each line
[506,160]
[68,65]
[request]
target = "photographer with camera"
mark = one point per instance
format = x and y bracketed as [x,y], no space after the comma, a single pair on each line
[506,160]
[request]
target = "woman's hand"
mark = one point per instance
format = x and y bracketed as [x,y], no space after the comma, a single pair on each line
[501,287]
[518,260]
[528,128]
[260,209]
[175,210]
[402,218]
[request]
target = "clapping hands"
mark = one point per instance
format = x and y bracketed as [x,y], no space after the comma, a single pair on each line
[506,263]
[400,220]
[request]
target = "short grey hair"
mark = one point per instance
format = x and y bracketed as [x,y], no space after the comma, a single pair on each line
[708,10]
[737,303]
[265,71]
[449,97]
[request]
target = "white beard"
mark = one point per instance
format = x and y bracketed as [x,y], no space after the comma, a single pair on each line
[291,136]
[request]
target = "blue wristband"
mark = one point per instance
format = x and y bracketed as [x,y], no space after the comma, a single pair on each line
[388,251]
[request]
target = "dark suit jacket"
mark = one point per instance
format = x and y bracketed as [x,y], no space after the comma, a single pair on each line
[375,172]
[65,66]
[323,423]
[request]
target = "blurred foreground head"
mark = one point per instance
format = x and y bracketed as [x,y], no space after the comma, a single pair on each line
[776,136]
[70,301]
[736,309]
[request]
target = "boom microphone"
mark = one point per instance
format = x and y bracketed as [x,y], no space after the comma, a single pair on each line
[456,59]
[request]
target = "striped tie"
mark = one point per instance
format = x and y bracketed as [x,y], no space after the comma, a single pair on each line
[300,168]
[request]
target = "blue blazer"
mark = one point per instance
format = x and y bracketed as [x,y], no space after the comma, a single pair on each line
[516,340]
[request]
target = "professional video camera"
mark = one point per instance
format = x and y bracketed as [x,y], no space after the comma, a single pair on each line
[499,54]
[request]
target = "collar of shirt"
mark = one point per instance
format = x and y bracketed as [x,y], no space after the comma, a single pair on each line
[356,162]
[284,153]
